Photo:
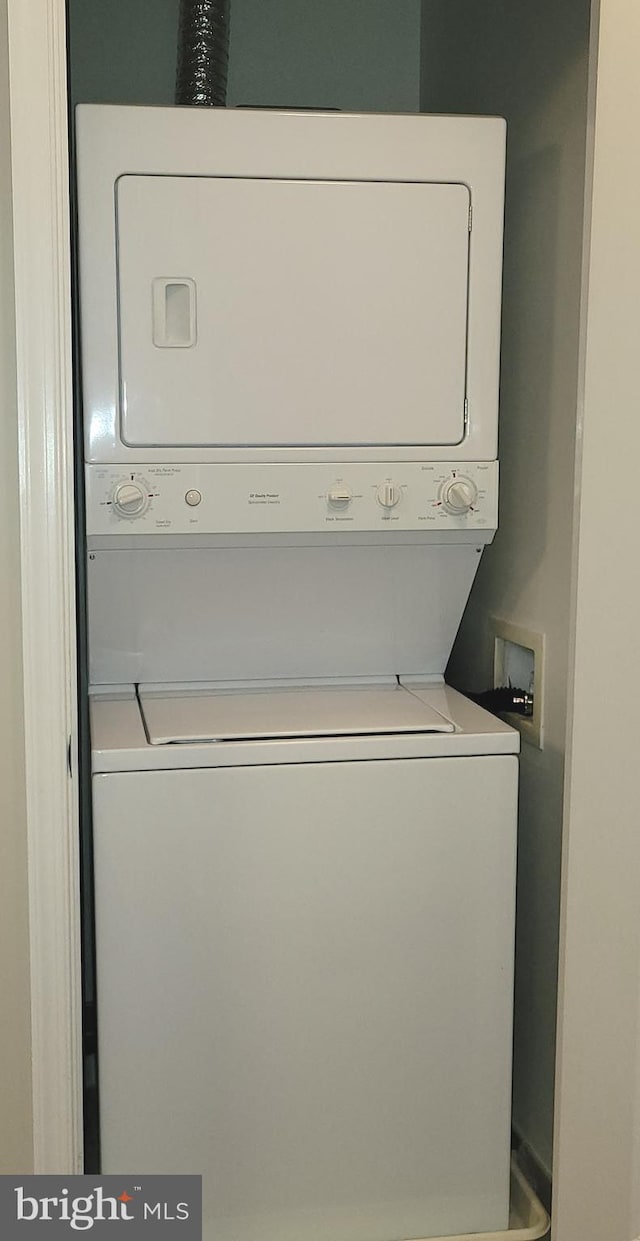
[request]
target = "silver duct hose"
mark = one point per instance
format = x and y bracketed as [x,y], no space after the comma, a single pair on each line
[203,53]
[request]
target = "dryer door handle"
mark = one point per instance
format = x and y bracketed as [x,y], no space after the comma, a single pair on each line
[173,312]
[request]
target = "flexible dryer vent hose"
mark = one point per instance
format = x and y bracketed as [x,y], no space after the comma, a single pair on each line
[203,53]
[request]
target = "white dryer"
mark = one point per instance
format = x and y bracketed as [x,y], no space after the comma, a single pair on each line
[304,917]
[263,285]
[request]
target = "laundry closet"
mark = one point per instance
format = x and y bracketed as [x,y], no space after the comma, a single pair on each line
[463,59]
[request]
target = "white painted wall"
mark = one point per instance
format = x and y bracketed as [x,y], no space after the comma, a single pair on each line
[528,62]
[349,54]
[16,1153]
[597,1158]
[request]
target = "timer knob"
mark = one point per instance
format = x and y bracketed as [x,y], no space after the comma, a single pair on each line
[458,495]
[388,494]
[129,500]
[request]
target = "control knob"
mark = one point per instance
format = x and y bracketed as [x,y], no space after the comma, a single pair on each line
[388,494]
[339,496]
[458,495]
[130,499]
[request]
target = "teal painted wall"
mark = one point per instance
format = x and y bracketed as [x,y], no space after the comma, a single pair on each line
[350,54]
[528,63]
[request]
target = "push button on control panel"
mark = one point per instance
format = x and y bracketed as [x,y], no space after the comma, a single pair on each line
[193,498]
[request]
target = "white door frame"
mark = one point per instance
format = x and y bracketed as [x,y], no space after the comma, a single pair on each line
[597,1120]
[40,188]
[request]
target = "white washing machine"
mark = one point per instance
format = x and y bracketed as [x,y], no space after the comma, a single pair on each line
[304,927]
[304,841]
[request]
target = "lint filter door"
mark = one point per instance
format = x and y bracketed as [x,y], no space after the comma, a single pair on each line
[291,313]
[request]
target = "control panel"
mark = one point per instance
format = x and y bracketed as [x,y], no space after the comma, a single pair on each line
[242,499]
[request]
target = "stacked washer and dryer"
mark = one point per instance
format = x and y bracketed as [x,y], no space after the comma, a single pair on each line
[304,840]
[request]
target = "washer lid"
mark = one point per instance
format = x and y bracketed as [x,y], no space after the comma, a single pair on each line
[242,715]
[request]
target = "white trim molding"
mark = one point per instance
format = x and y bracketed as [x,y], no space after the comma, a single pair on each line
[39,139]
[597,1121]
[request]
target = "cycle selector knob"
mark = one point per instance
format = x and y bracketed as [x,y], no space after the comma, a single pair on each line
[388,495]
[458,495]
[130,499]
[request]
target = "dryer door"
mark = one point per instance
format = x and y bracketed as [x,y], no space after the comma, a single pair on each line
[260,312]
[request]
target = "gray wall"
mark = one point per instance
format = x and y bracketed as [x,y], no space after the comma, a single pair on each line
[528,62]
[16,1154]
[350,54]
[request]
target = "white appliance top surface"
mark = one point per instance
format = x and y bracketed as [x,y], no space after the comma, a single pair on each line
[303,712]
[342,723]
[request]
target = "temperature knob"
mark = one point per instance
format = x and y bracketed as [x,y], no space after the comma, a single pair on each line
[458,495]
[388,494]
[339,496]
[130,500]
